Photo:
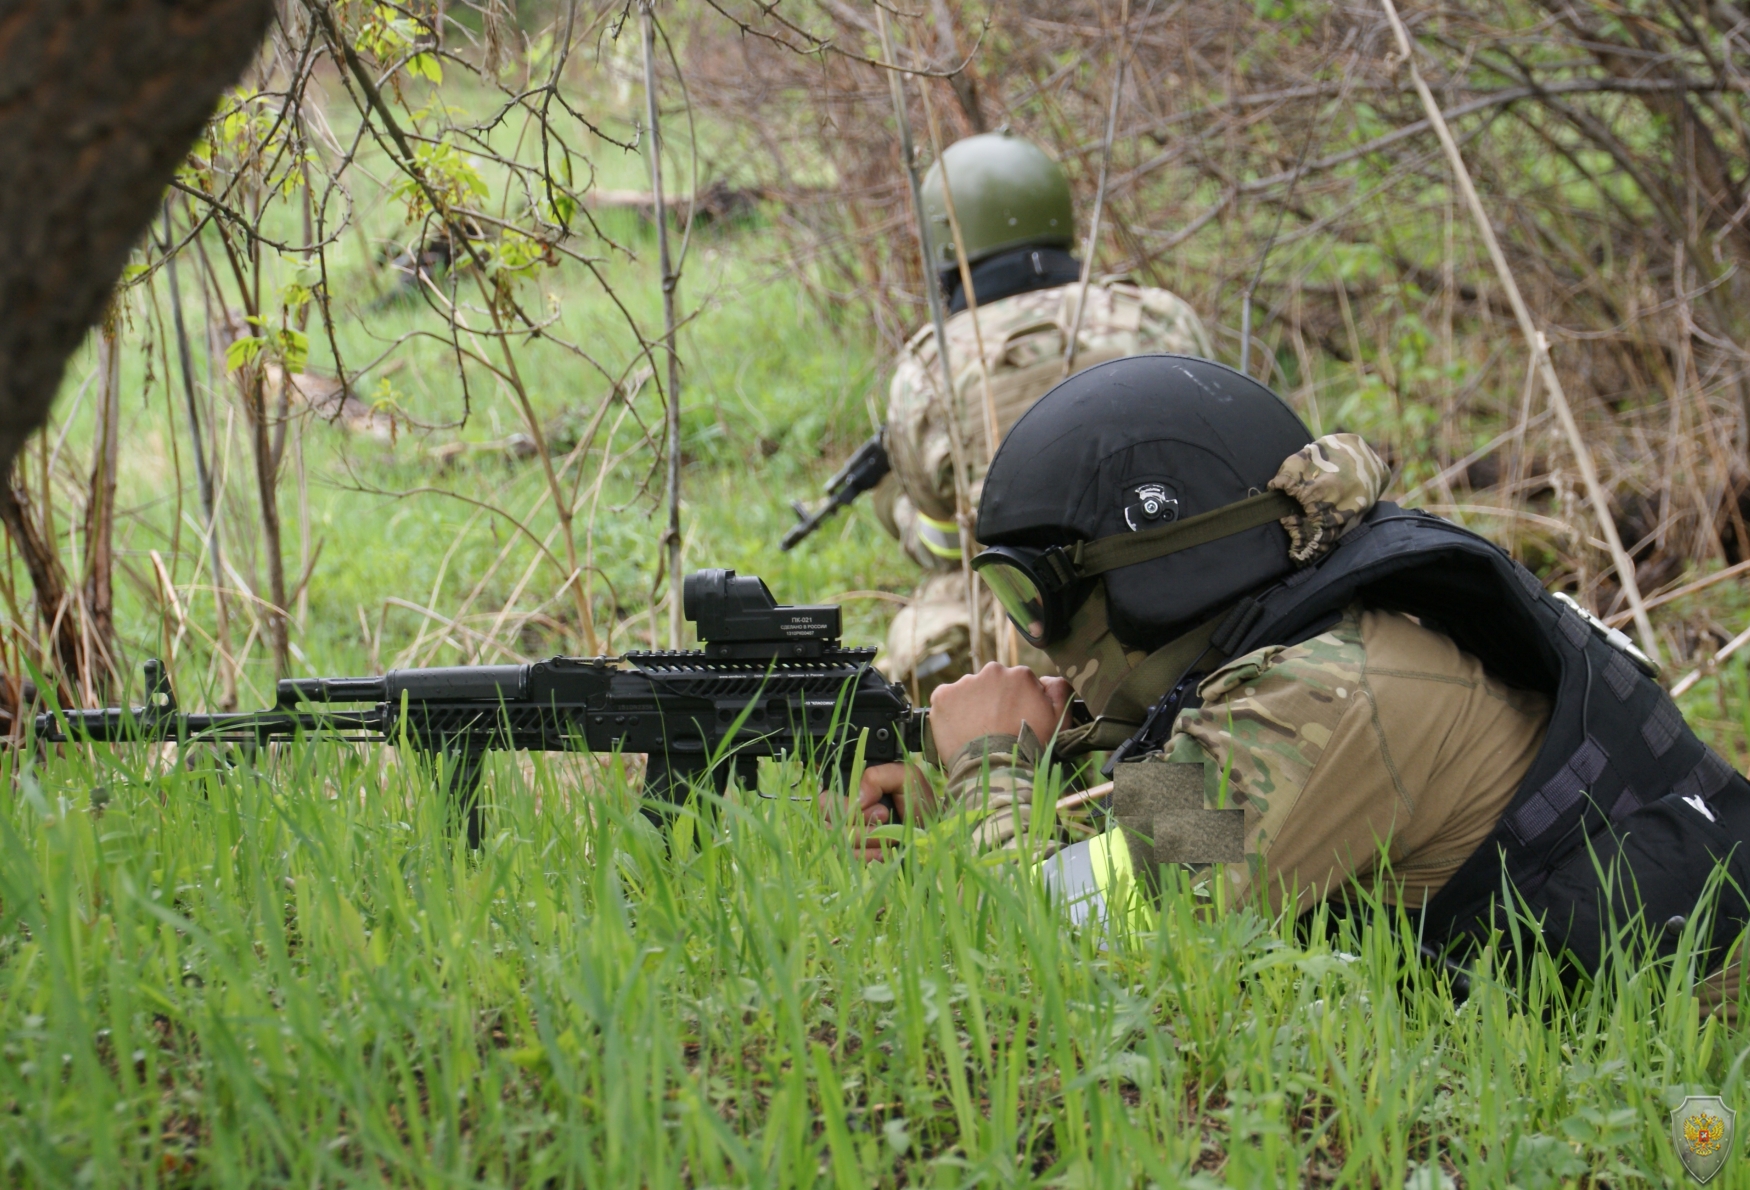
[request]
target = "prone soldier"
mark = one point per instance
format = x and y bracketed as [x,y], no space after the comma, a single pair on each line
[1313,688]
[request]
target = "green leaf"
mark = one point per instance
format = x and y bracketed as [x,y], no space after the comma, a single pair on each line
[294,349]
[244,351]
[425,66]
[296,296]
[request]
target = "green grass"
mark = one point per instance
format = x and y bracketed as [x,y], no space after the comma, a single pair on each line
[290,975]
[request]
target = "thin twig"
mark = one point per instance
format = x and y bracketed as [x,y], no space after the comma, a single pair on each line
[1693,676]
[671,537]
[1625,569]
[1075,330]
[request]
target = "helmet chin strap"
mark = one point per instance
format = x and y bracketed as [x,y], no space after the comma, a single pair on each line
[1174,668]
[1160,670]
[1089,558]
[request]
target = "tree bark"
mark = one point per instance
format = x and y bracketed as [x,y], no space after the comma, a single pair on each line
[47,576]
[963,81]
[267,488]
[99,102]
[100,512]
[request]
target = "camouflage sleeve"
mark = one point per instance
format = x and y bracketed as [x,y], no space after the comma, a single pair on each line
[1265,723]
[885,500]
[1169,325]
[917,434]
[990,788]
[917,531]
[1335,480]
[922,509]
[899,516]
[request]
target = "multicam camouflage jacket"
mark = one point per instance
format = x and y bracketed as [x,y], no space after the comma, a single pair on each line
[1336,480]
[1024,338]
[1375,754]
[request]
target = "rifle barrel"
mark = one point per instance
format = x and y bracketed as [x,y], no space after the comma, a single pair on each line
[861,472]
[293,691]
[814,520]
[116,725]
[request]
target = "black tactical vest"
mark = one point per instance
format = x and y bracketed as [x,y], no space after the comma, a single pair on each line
[1620,782]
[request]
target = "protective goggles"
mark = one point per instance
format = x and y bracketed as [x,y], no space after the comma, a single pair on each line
[1040,589]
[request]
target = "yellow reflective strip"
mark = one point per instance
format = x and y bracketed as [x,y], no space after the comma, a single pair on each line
[1109,854]
[941,538]
[1111,863]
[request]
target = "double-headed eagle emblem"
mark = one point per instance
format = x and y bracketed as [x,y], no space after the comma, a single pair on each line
[1701,1128]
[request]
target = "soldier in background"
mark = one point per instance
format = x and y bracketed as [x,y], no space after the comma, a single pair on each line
[1016,221]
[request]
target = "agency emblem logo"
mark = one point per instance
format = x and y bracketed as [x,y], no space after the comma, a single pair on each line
[1701,1128]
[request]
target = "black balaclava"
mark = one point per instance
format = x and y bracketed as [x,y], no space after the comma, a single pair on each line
[1019,270]
[1106,450]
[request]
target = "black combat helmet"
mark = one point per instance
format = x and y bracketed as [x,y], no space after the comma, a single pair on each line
[1131,447]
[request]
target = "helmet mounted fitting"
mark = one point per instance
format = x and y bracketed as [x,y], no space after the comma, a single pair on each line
[1152,473]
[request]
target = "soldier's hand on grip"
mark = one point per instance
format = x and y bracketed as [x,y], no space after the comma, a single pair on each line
[996,700]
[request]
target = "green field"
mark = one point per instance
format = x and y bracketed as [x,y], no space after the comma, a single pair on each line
[286,976]
[286,973]
[282,969]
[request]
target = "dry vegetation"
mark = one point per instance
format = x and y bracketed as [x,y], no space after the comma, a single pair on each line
[1277,152]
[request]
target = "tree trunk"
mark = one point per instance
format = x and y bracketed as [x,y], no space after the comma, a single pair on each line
[100,514]
[48,577]
[965,84]
[99,101]
[267,487]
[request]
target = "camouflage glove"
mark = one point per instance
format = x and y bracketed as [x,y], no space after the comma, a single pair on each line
[1335,480]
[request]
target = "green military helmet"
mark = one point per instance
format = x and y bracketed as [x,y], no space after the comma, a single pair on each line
[1007,194]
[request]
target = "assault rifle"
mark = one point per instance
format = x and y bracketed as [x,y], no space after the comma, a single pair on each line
[769,681]
[861,472]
